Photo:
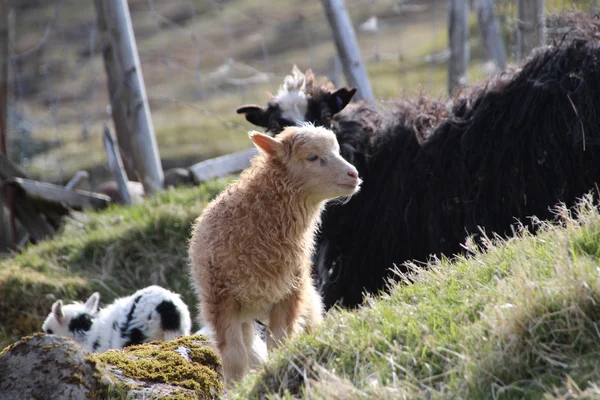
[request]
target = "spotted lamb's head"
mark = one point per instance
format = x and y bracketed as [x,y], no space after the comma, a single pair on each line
[72,320]
[299,100]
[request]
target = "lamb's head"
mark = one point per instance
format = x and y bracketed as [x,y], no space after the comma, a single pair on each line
[298,100]
[310,156]
[72,320]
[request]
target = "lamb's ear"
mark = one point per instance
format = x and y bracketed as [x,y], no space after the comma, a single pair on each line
[92,303]
[256,115]
[340,99]
[58,311]
[266,143]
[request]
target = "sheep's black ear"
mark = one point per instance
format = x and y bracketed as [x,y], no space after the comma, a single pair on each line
[256,115]
[58,311]
[340,99]
[92,303]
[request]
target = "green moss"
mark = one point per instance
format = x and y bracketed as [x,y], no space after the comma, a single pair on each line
[159,362]
[48,348]
[177,395]
[75,379]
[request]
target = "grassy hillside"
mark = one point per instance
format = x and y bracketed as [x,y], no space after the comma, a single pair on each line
[519,320]
[115,252]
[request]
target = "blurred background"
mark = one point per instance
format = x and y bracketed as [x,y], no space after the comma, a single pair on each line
[201,59]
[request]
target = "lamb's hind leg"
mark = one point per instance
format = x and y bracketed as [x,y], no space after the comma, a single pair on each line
[229,337]
[257,352]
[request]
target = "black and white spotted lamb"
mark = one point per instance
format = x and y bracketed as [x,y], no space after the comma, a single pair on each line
[152,313]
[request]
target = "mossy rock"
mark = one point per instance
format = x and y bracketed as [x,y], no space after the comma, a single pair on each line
[185,368]
[44,366]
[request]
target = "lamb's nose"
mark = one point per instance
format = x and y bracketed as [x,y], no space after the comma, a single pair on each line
[353,174]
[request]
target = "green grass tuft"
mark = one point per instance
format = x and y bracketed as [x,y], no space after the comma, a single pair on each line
[115,252]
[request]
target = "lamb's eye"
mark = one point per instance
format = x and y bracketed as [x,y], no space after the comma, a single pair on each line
[312,157]
[49,331]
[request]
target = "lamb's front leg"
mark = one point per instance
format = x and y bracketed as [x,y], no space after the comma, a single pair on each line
[312,309]
[283,321]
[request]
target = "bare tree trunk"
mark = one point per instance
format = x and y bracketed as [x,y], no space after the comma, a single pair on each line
[458,24]
[347,47]
[126,81]
[490,32]
[532,26]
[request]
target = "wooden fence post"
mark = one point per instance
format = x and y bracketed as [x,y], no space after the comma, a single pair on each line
[532,26]
[334,71]
[458,25]
[5,39]
[116,165]
[126,81]
[347,47]
[115,81]
[490,32]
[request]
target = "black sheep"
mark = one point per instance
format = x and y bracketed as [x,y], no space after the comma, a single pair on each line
[508,150]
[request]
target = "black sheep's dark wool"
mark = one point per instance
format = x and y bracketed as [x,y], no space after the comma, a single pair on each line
[506,151]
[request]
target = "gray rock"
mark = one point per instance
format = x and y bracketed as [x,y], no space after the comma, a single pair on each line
[45,366]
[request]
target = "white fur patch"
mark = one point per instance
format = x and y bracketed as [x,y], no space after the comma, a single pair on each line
[292,97]
[112,325]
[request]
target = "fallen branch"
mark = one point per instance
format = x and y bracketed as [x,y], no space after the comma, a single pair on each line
[223,165]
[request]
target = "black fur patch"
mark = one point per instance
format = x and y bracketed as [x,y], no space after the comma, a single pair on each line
[170,319]
[81,323]
[125,326]
[135,337]
[96,344]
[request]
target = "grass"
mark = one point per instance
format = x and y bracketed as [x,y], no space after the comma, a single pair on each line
[518,320]
[514,319]
[115,252]
[194,118]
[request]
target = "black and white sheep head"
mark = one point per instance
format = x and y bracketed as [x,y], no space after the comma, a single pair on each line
[72,320]
[298,100]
